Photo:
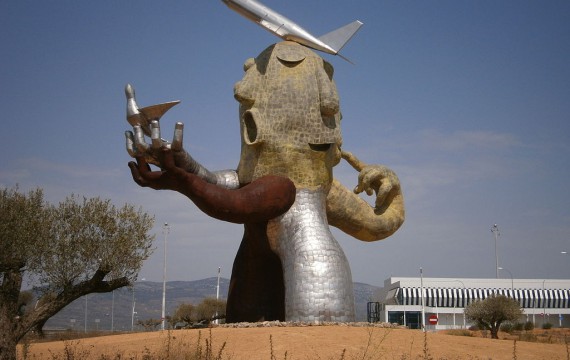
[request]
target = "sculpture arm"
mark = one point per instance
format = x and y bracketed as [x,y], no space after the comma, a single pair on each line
[261,200]
[353,215]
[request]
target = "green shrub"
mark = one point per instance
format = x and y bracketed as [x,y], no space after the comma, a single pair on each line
[528,337]
[518,326]
[528,326]
[547,325]
[507,327]
[459,332]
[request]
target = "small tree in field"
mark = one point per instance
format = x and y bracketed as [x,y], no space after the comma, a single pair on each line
[183,314]
[149,324]
[210,309]
[77,247]
[492,312]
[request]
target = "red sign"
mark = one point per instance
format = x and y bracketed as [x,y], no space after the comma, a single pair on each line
[432,319]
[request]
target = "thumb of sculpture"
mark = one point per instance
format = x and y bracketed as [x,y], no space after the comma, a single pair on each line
[133,113]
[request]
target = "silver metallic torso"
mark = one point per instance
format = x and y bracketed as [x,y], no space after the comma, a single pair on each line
[318,282]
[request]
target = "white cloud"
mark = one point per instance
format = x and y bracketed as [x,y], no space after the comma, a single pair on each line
[467,140]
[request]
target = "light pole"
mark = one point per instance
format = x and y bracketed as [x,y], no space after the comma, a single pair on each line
[512,280]
[113,311]
[166,230]
[422,297]
[85,313]
[462,297]
[543,303]
[495,230]
[133,310]
[218,294]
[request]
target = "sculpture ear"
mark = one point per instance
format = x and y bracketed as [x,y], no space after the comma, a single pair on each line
[248,64]
[328,69]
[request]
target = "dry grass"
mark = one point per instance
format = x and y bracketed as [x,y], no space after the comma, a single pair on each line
[313,342]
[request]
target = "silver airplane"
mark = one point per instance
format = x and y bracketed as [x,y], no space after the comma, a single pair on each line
[286,29]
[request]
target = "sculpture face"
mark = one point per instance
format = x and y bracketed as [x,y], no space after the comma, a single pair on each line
[289,117]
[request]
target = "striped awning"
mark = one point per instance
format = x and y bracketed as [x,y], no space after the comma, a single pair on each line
[454,297]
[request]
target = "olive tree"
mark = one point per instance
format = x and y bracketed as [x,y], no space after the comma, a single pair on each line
[491,312]
[209,309]
[77,247]
[183,314]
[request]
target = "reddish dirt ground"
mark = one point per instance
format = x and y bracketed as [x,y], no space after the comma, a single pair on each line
[312,342]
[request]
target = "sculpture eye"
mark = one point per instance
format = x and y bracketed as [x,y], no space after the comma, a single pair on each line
[289,63]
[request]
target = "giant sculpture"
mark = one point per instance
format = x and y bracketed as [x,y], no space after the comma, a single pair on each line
[288,266]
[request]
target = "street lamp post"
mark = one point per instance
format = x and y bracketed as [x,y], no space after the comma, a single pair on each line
[133,313]
[495,231]
[512,279]
[217,321]
[85,313]
[422,298]
[543,303]
[462,297]
[166,230]
[113,311]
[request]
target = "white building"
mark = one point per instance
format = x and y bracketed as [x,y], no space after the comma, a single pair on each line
[444,299]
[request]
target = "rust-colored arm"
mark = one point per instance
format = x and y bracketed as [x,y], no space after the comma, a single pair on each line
[261,200]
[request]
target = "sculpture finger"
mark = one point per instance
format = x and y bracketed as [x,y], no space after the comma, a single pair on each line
[155,135]
[363,187]
[130,141]
[167,160]
[178,137]
[367,181]
[140,144]
[361,184]
[145,172]
[134,166]
[383,192]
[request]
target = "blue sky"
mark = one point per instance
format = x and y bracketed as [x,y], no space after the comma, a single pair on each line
[468,101]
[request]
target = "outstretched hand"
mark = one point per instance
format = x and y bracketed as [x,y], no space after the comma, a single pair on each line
[380,180]
[137,146]
[170,177]
[374,179]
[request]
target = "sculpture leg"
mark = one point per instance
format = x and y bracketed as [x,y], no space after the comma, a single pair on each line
[318,282]
[256,290]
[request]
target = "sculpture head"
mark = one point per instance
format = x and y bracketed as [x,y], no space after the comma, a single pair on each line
[289,116]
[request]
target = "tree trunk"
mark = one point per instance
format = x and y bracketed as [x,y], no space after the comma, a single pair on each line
[9,319]
[7,340]
[494,331]
[13,327]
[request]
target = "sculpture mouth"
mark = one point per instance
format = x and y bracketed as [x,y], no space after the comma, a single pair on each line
[320,147]
[250,127]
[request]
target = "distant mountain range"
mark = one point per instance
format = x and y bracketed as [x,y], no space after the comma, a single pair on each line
[115,310]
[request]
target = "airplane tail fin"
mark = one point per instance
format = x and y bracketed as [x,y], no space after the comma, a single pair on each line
[336,39]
